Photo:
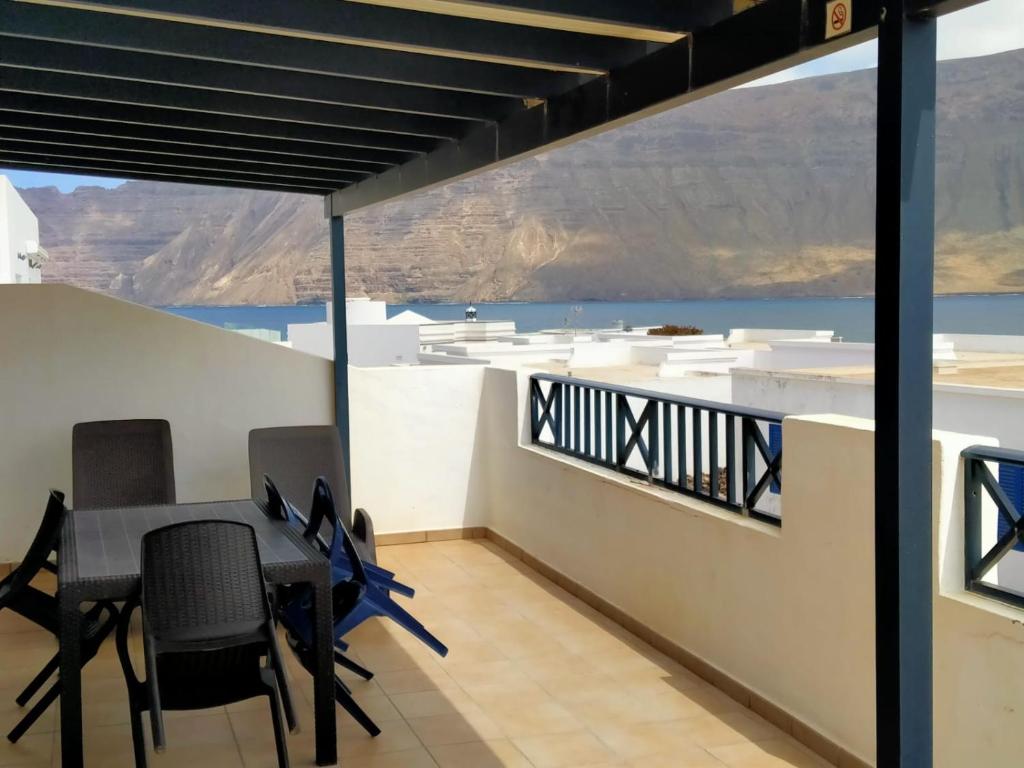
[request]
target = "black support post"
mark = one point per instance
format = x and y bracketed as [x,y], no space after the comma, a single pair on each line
[905,233]
[340,341]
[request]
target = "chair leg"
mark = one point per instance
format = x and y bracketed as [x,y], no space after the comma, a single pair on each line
[279,737]
[37,682]
[138,736]
[35,713]
[344,661]
[344,698]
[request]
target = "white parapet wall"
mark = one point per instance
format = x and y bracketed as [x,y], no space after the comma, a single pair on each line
[764,335]
[69,355]
[417,449]
[787,612]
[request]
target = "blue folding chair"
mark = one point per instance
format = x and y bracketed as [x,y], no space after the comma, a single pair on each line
[294,612]
[341,567]
[370,593]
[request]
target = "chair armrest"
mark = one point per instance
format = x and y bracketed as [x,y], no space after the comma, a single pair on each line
[362,532]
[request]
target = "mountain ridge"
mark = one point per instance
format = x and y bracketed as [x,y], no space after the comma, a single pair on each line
[764,191]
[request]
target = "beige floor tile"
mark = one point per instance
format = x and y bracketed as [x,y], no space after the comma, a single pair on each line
[397,736]
[710,731]
[575,749]
[469,652]
[528,644]
[534,677]
[691,758]
[499,753]
[502,671]
[774,753]
[34,748]
[11,622]
[427,678]
[525,691]
[379,707]
[412,758]
[636,740]
[518,719]
[11,713]
[429,703]
[577,688]
[455,728]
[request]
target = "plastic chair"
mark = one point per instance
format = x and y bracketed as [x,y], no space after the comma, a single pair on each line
[206,625]
[295,457]
[17,594]
[126,463]
[341,568]
[299,630]
[361,592]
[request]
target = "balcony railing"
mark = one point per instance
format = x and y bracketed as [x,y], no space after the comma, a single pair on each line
[994,544]
[724,454]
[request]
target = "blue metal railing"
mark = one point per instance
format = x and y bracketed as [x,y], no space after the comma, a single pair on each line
[980,562]
[725,454]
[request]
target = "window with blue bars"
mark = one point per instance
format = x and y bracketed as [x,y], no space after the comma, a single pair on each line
[1011,480]
[774,446]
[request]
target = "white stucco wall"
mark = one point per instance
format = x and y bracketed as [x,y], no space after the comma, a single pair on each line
[785,355]
[417,450]
[369,344]
[995,413]
[788,612]
[18,228]
[68,355]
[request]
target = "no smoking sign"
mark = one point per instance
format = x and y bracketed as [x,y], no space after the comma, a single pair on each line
[838,18]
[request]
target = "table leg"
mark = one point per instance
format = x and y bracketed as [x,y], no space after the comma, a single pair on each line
[70,679]
[323,684]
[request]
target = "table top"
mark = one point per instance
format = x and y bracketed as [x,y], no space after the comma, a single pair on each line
[100,548]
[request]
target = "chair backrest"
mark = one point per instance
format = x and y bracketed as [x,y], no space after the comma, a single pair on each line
[123,463]
[295,457]
[324,515]
[202,581]
[39,550]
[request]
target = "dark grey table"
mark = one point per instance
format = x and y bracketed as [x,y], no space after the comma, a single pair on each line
[99,560]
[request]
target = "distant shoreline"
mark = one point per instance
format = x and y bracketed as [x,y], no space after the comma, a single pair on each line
[591,301]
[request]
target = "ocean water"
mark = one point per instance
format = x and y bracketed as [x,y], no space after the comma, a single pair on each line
[851,318]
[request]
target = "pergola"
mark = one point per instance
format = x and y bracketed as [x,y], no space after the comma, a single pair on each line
[365,101]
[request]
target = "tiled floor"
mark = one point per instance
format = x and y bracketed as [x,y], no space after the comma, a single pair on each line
[534,678]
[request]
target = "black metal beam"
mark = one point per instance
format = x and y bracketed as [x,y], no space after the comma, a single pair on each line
[81,169]
[288,150]
[286,53]
[353,22]
[173,162]
[904,287]
[663,15]
[245,79]
[339,326]
[231,156]
[700,64]
[201,121]
[110,90]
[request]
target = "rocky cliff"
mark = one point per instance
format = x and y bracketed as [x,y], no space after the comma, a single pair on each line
[759,191]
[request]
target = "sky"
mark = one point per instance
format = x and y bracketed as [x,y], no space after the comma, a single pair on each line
[991,27]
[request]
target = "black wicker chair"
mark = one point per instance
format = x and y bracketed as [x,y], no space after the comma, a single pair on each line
[18,594]
[295,457]
[125,463]
[207,626]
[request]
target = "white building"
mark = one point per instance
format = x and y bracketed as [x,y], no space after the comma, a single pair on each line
[374,339]
[21,256]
